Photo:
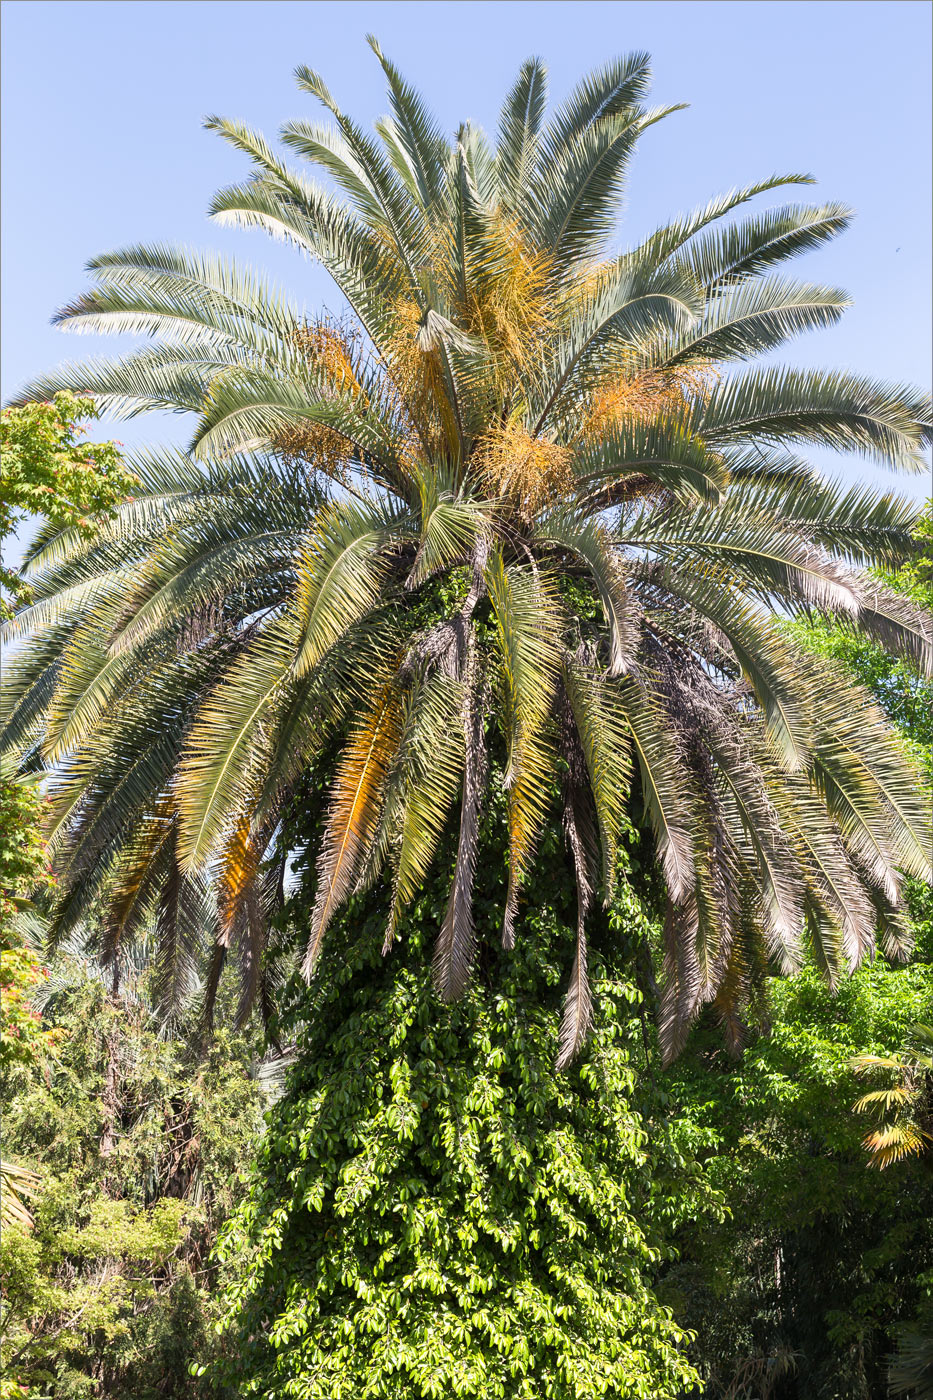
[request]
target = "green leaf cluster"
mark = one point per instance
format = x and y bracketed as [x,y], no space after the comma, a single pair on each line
[23,855]
[820,1260]
[436,1211]
[49,471]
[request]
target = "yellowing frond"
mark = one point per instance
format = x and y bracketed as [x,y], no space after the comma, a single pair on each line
[893,1143]
[355,805]
[239,866]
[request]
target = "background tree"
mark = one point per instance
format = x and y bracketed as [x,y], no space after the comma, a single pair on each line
[49,472]
[140,1143]
[820,1261]
[46,471]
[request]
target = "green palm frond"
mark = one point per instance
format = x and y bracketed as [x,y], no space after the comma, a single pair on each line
[434,746]
[528,623]
[450,524]
[738,251]
[833,410]
[339,571]
[419,134]
[666,241]
[226,746]
[664,783]
[604,735]
[611,470]
[752,319]
[519,126]
[620,85]
[592,544]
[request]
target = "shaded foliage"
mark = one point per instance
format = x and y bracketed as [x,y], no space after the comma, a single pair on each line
[138,1146]
[819,1259]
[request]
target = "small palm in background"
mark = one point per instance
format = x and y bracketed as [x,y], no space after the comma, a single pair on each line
[17,1187]
[522,520]
[904,1109]
[904,1114]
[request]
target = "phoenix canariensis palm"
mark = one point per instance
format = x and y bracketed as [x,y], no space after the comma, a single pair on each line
[567,442]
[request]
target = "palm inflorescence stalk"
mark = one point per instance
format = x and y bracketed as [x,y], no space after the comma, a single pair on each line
[565,440]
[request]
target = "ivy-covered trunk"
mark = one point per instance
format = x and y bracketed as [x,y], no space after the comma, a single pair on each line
[436,1210]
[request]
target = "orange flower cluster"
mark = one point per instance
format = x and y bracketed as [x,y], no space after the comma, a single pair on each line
[645,395]
[527,472]
[333,350]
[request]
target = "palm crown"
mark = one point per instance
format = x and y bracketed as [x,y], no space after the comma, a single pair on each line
[517,501]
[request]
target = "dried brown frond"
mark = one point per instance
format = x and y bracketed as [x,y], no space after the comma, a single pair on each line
[527,472]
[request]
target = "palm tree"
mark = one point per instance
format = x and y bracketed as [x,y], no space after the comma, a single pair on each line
[17,1184]
[904,1110]
[521,517]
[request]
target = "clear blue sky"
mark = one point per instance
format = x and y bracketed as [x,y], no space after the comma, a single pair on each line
[102,109]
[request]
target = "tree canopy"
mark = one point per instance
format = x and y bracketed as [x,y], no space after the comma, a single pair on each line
[521,520]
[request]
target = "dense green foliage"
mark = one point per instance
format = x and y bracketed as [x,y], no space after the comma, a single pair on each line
[437,1211]
[820,1258]
[49,471]
[46,471]
[139,1146]
[23,870]
[431,1194]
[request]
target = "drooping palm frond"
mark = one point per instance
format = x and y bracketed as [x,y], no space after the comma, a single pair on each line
[527,497]
[17,1186]
[453,953]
